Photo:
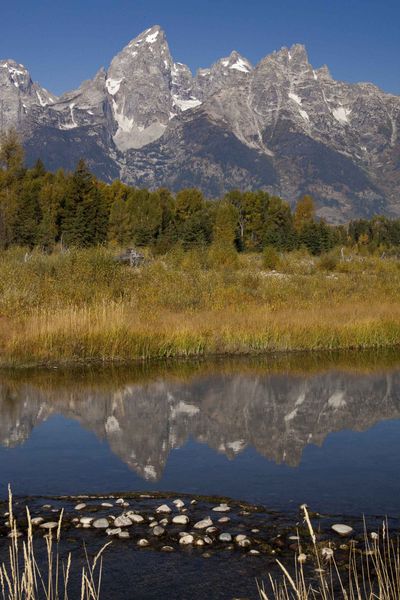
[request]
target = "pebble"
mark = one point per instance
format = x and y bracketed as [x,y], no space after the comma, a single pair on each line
[37,520]
[158,530]
[186,540]
[178,503]
[120,501]
[100,524]
[343,530]
[240,537]
[167,549]
[193,502]
[164,508]
[80,506]
[135,518]
[208,540]
[374,535]
[181,520]
[46,506]
[153,523]
[106,505]
[294,538]
[254,553]
[327,553]
[302,558]
[244,543]
[164,522]
[211,529]
[123,535]
[49,525]
[203,524]
[255,531]
[115,531]
[200,542]
[225,537]
[143,542]
[221,508]
[86,520]
[224,520]
[122,521]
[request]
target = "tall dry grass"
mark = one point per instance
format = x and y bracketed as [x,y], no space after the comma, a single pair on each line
[372,573]
[21,577]
[83,306]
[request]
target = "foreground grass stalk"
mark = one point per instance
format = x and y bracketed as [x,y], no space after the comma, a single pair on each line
[372,573]
[21,577]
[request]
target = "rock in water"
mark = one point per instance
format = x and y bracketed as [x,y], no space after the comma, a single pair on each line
[186,540]
[221,508]
[203,524]
[164,508]
[80,506]
[343,530]
[100,524]
[122,521]
[181,520]
[158,531]
[225,537]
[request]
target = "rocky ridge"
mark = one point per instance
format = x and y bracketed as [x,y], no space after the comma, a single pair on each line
[281,125]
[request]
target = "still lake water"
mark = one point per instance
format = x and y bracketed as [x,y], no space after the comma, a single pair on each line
[325,433]
[324,430]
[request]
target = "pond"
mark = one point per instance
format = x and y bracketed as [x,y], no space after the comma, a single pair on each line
[324,430]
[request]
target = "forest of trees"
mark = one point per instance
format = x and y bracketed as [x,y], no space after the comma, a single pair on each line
[43,209]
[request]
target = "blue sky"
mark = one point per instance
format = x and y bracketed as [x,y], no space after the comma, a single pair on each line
[63,43]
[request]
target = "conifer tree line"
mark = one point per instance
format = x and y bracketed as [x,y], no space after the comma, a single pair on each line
[42,209]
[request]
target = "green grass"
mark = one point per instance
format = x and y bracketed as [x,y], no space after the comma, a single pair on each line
[83,306]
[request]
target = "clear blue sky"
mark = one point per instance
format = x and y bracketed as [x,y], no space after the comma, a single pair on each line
[65,42]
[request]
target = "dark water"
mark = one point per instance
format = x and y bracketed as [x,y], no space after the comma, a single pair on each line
[325,431]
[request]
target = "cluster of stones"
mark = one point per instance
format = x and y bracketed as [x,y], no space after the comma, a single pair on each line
[182,525]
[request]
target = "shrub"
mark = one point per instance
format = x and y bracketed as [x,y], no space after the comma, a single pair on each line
[271,258]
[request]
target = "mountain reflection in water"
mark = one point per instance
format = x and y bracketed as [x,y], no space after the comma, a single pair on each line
[144,418]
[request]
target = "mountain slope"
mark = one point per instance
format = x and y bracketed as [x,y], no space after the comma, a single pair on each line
[281,125]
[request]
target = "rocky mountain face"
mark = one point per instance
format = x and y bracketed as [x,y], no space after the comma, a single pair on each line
[277,415]
[280,125]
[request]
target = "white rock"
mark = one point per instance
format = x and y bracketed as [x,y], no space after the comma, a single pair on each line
[158,530]
[178,503]
[100,524]
[302,558]
[123,535]
[224,520]
[221,508]
[49,525]
[374,535]
[37,521]
[167,549]
[240,537]
[211,530]
[120,501]
[164,508]
[186,540]
[181,520]
[203,524]
[153,523]
[80,506]
[143,542]
[200,542]
[207,539]
[225,537]
[193,502]
[327,553]
[115,531]
[122,521]
[343,530]
[254,552]
[164,522]
[86,520]
[244,543]
[135,518]
[107,505]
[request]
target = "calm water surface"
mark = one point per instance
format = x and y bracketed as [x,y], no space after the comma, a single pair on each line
[328,435]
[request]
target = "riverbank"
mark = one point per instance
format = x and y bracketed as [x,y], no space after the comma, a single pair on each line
[83,306]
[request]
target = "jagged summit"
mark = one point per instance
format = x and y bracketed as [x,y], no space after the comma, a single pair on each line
[283,125]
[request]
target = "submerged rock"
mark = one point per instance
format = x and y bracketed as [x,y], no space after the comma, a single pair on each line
[186,540]
[181,520]
[343,530]
[203,524]
[100,524]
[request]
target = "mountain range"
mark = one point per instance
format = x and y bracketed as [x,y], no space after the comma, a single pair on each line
[280,125]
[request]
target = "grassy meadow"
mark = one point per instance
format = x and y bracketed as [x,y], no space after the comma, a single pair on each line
[83,306]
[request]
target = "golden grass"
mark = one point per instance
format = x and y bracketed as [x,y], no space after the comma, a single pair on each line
[85,307]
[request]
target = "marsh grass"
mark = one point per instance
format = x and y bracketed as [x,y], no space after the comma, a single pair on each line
[21,577]
[83,306]
[372,573]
